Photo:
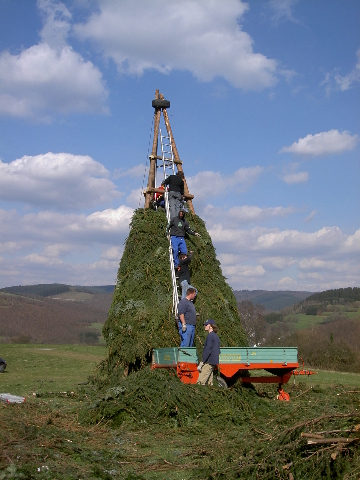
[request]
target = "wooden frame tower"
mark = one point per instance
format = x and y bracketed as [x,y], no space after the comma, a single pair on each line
[160,105]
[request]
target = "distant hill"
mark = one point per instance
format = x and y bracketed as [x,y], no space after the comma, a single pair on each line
[271,300]
[53,313]
[339,295]
[49,290]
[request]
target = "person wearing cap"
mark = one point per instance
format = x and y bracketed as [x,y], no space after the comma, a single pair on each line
[177,228]
[176,192]
[210,356]
[187,319]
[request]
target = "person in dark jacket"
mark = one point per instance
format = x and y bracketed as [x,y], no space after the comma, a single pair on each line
[210,356]
[176,192]
[2,365]
[177,228]
[184,273]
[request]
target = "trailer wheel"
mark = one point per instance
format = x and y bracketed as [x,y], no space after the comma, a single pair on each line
[221,383]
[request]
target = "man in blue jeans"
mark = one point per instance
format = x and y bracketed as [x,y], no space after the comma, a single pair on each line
[187,319]
[177,228]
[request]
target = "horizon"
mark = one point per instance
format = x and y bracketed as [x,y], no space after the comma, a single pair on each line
[114,285]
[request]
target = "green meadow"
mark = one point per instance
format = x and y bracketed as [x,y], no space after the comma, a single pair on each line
[48,435]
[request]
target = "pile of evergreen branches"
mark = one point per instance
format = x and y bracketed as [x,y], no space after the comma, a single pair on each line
[140,317]
[157,396]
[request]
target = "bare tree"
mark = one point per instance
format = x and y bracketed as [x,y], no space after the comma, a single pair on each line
[254,322]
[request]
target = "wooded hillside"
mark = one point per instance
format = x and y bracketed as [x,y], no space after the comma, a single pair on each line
[46,320]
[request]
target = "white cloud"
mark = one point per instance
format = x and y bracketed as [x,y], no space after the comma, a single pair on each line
[56,22]
[60,180]
[40,269]
[261,258]
[346,82]
[315,263]
[286,243]
[244,270]
[227,259]
[335,81]
[201,37]
[35,258]
[9,247]
[282,10]
[46,228]
[222,184]
[287,282]
[134,172]
[311,216]
[277,263]
[294,241]
[136,198]
[324,143]
[352,243]
[113,253]
[296,177]
[50,78]
[51,247]
[245,214]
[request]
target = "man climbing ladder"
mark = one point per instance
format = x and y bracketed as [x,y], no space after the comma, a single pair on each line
[177,228]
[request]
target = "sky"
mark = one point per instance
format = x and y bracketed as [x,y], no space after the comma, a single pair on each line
[264,111]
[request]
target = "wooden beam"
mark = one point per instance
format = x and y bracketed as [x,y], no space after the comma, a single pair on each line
[176,155]
[160,158]
[152,157]
[150,190]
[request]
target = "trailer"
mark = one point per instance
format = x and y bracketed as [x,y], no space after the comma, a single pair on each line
[236,363]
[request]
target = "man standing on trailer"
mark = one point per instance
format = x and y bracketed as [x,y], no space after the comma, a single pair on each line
[177,228]
[210,356]
[187,319]
[176,192]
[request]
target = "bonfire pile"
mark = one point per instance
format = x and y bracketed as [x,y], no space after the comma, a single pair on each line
[140,318]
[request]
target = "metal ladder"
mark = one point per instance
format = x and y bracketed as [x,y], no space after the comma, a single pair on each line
[168,166]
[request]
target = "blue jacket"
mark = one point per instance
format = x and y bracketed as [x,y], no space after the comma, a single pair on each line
[211,350]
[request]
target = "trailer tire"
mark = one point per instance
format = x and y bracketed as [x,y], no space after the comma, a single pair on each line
[221,383]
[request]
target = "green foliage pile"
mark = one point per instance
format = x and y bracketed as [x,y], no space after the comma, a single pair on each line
[154,396]
[140,317]
[234,433]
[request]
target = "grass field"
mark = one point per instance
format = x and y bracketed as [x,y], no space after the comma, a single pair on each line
[40,368]
[46,438]
[300,321]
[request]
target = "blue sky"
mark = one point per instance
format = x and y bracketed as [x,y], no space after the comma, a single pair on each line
[265,114]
